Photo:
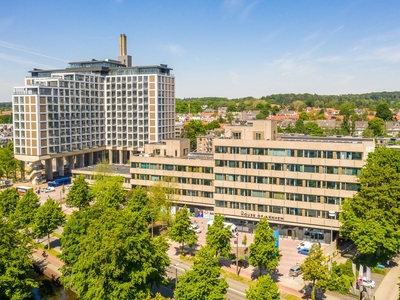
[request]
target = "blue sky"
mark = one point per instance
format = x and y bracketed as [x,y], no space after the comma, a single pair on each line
[226,48]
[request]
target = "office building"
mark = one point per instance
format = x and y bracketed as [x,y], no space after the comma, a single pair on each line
[252,172]
[91,110]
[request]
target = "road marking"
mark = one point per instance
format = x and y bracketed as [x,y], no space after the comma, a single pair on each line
[236,291]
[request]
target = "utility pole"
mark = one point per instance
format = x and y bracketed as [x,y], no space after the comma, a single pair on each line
[237,254]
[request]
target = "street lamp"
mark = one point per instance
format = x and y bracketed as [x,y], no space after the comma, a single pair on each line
[332,214]
[237,254]
[176,274]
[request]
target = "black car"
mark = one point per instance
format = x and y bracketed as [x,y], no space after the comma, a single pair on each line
[241,263]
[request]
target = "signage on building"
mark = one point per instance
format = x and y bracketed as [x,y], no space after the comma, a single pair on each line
[259,216]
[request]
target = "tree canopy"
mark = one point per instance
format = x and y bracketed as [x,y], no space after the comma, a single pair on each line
[203,281]
[313,270]
[263,251]
[372,217]
[265,289]
[16,272]
[26,209]
[180,230]
[192,130]
[8,201]
[80,194]
[219,236]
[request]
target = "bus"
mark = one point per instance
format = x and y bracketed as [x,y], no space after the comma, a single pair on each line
[231,226]
[23,189]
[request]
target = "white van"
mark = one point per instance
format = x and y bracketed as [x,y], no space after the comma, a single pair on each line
[304,245]
[231,226]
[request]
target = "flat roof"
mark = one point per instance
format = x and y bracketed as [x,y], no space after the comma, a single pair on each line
[118,169]
[332,139]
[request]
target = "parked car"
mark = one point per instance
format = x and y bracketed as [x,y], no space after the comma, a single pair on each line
[317,235]
[48,189]
[368,283]
[304,251]
[241,263]
[295,271]
[195,228]
[303,245]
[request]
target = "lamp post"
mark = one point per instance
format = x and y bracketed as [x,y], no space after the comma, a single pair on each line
[237,254]
[332,214]
[176,274]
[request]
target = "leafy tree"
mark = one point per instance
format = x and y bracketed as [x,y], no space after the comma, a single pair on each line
[371,219]
[229,117]
[8,201]
[139,200]
[212,125]
[8,164]
[180,231]
[298,105]
[377,126]
[263,251]
[26,209]
[203,281]
[103,169]
[16,272]
[219,236]
[303,116]
[383,112]
[192,130]
[313,129]
[299,126]
[48,217]
[80,194]
[123,263]
[109,192]
[265,289]
[313,270]
[341,277]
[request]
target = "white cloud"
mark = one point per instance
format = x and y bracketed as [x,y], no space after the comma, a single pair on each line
[22,61]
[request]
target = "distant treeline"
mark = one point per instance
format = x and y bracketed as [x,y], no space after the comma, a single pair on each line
[369,100]
[5,106]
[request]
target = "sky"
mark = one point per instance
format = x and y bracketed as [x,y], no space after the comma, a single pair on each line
[216,48]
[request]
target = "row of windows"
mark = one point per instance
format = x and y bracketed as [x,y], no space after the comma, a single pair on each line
[183,180]
[274,209]
[290,152]
[331,185]
[287,167]
[179,168]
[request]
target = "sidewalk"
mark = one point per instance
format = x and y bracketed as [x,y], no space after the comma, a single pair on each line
[48,265]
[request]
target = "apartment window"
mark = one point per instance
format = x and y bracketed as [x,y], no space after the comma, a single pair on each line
[313,183]
[221,149]
[234,150]
[327,154]
[219,203]
[311,198]
[332,200]
[277,195]
[233,164]
[220,190]
[182,180]
[260,151]
[351,155]
[277,152]
[156,177]
[237,135]
[259,165]
[330,170]
[276,209]
[311,169]
[244,178]
[332,185]
[169,167]
[193,169]
[220,163]
[272,180]
[350,186]
[244,192]
[207,170]
[312,213]
[294,197]
[259,194]
[207,182]
[294,182]
[351,171]
[258,136]
[276,167]
[260,179]
[244,150]
[246,165]
[290,152]
[247,206]
[196,181]
[234,205]
[207,194]
[294,168]
[181,168]
[293,211]
[232,191]
[263,208]
[231,177]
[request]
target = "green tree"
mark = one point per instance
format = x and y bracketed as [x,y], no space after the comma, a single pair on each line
[229,117]
[139,200]
[219,236]
[16,272]
[313,129]
[26,209]
[383,112]
[8,164]
[48,217]
[265,289]
[123,263]
[313,270]
[8,201]
[263,251]
[212,125]
[377,126]
[180,231]
[192,130]
[80,194]
[203,281]
[299,126]
[109,192]
[371,219]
